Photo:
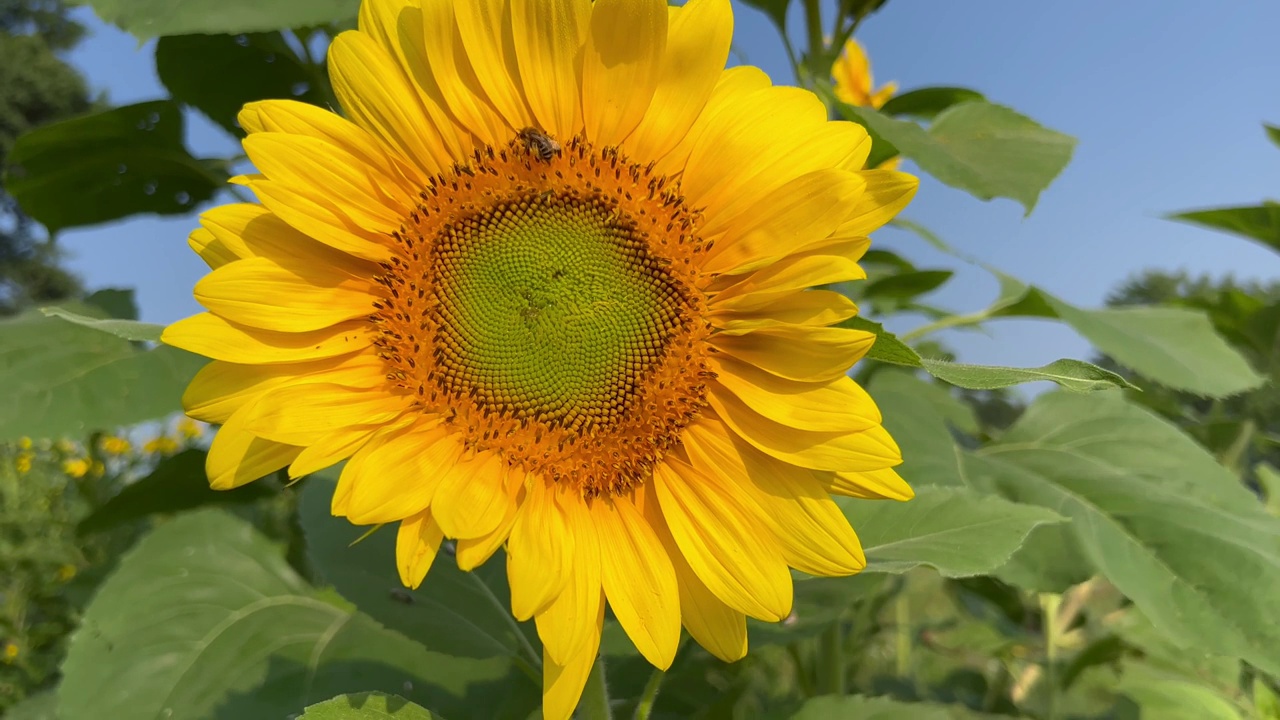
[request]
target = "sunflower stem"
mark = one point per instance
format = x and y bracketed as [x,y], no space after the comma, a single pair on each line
[1049,611]
[595,696]
[644,708]
[832,672]
[813,21]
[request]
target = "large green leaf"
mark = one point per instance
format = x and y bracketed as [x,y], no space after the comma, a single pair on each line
[464,614]
[366,706]
[880,708]
[127,329]
[1152,511]
[1168,697]
[109,165]
[1260,223]
[152,18]
[958,532]
[986,149]
[887,347]
[177,483]
[218,74]
[205,619]
[907,285]
[64,379]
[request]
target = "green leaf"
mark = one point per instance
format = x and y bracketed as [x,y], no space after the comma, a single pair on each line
[914,418]
[204,616]
[1153,512]
[109,165]
[775,9]
[464,614]
[218,74]
[1260,223]
[178,483]
[1163,696]
[366,706]
[127,329]
[41,706]
[882,708]
[927,103]
[1273,133]
[1269,478]
[64,379]
[1265,701]
[151,18]
[1073,375]
[818,602]
[987,150]
[115,302]
[887,347]
[907,285]
[958,532]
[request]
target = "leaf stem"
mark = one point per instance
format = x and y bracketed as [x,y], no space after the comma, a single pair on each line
[644,708]
[947,322]
[595,696]
[813,21]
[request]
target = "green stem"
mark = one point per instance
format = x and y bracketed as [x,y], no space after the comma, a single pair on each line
[1233,455]
[813,21]
[595,696]
[644,707]
[802,673]
[831,674]
[1049,603]
[946,322]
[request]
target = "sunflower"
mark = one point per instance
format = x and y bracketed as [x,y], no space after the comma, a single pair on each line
[548,286]
[854,82]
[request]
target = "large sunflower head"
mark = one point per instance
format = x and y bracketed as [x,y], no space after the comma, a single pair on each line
[548,285]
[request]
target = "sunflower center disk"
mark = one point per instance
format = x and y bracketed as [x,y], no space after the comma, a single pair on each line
[544,305]
[551,309]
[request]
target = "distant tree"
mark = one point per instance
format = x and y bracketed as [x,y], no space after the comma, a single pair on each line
[1241,430]
[36,87]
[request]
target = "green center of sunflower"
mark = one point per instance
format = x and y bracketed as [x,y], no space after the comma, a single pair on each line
[550,308]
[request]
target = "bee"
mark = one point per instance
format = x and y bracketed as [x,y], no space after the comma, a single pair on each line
[539,142]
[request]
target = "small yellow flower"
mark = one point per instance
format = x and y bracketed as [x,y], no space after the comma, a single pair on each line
[65,446]
[10,653]
[77,468]
[66,572]
[163,445]
[113,445]
[23,463]
[190,429]
[854,83]
[24,443]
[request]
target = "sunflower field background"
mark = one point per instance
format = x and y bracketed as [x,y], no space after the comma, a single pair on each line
[1108,548]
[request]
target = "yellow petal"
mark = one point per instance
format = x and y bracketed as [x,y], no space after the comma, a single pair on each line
[417,543]
[638,579]
[562,682]
[378,97]
[834,406]
[399,473]
[209,335]
[869,449]
[799,353]
[472,498]
[487,35]
[259,293]
[800,214]
[398,26]
[549,35]
[887,192]
[621,66]
[303,412]
[299,118]
[474,552]
[320,219]
[460,86]
[716,626]
[220,388]
[331,449]
[212,250]
[541,552]
[698,41]
[815,537]
[813,308]
[238,457]
[827,264]
[723,539]
[562,625]
[257,232]
[870,484]
[726,97]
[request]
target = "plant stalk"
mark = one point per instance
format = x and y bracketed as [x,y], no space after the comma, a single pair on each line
[595,696]
[831,675]
[1049,603]
[644,708]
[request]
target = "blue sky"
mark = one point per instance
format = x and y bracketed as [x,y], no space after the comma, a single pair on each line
[1166,97]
